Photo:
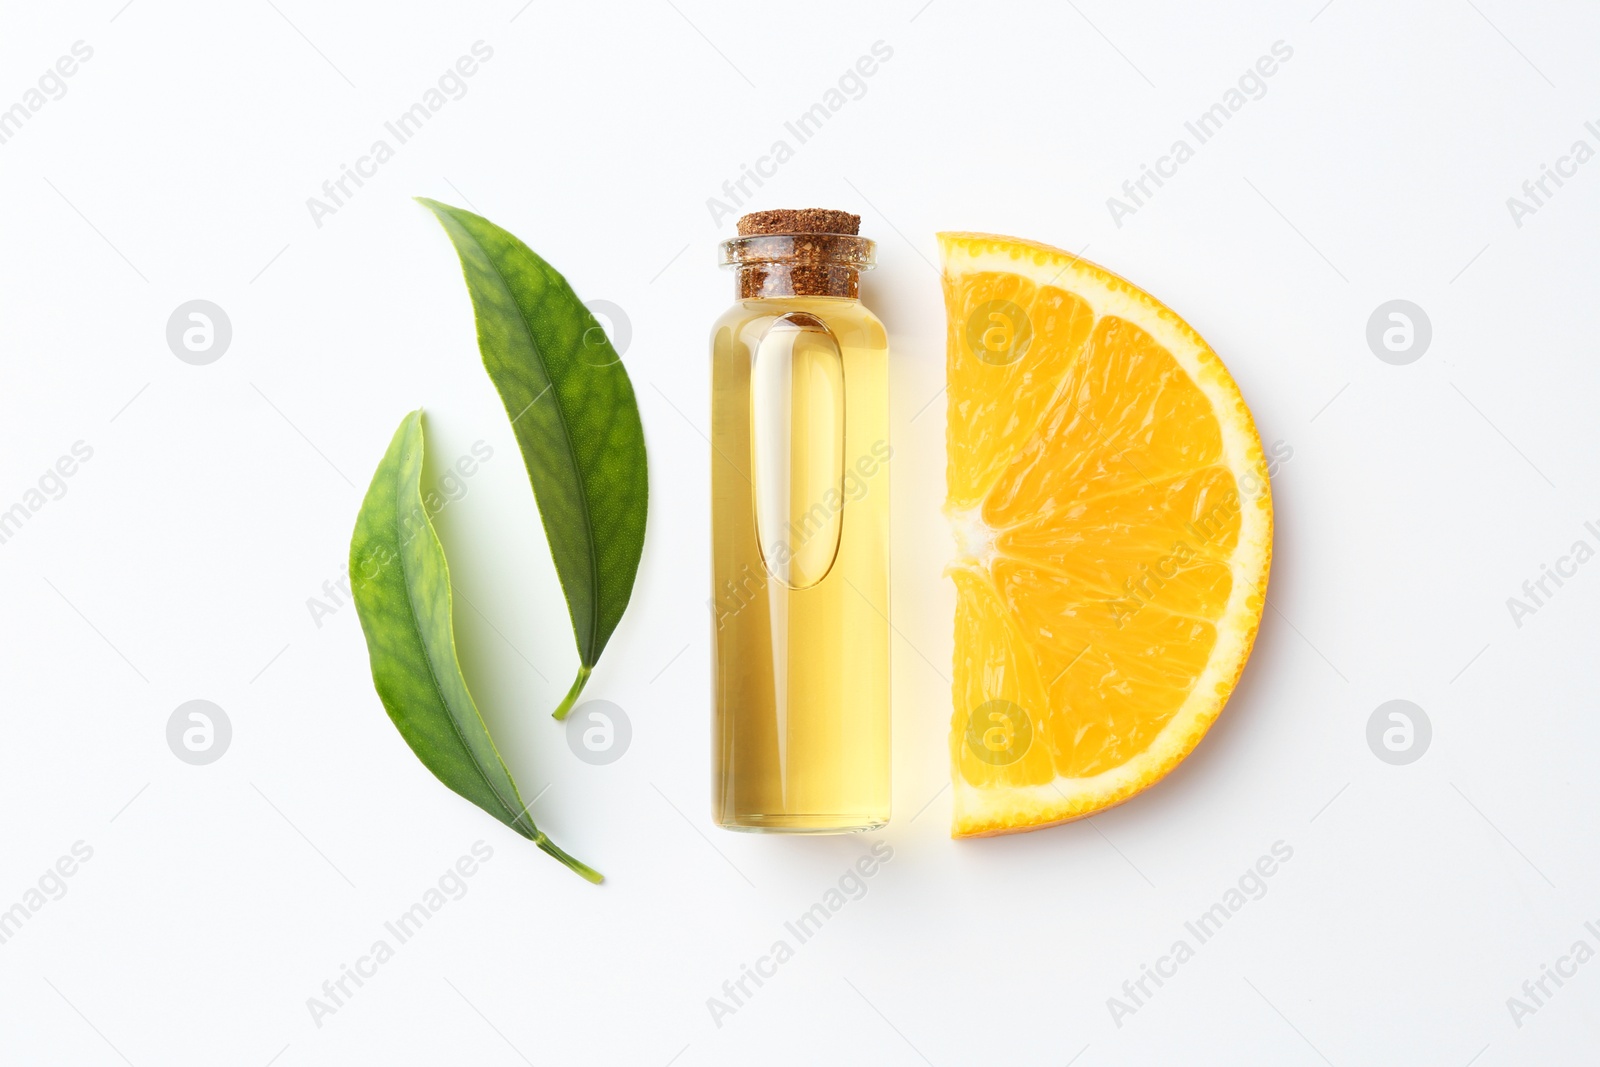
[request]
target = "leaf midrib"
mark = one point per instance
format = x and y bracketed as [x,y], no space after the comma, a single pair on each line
[571,451]
[427,656]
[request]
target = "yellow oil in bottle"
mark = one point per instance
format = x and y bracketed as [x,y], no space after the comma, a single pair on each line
[800,550]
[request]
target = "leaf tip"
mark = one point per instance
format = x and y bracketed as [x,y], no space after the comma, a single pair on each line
[439,208]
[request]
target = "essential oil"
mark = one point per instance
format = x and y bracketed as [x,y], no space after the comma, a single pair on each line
[800,532]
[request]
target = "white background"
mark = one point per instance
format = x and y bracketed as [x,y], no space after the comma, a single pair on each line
[219,499]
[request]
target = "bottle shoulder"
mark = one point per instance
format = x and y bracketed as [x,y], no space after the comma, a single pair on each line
[850,320]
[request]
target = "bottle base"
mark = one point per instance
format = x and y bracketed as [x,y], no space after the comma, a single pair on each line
[803,824]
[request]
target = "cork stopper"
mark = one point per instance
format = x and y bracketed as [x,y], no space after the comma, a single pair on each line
[801,220]
[799,252]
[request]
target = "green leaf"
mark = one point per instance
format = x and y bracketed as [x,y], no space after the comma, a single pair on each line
[401,587]
[575,418]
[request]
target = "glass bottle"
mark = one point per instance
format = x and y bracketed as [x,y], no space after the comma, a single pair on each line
[800,533]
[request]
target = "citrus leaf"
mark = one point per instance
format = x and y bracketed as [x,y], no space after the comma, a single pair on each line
[577,423]
[401,587]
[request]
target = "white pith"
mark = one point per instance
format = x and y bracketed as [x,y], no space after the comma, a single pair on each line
[974,538]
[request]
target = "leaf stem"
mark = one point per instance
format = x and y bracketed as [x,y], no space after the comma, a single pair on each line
[583,870]
[572,694]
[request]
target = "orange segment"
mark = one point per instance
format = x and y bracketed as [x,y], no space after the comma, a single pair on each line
[1108,496]
[1109,429]
[1000,730]
[1016,339]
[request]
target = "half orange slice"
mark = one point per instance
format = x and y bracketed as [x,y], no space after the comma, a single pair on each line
[1109,499]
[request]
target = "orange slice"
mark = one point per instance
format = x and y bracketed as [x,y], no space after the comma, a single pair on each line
[1109,499]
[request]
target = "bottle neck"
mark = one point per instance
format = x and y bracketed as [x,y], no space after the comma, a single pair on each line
[773,266]
[765,281]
